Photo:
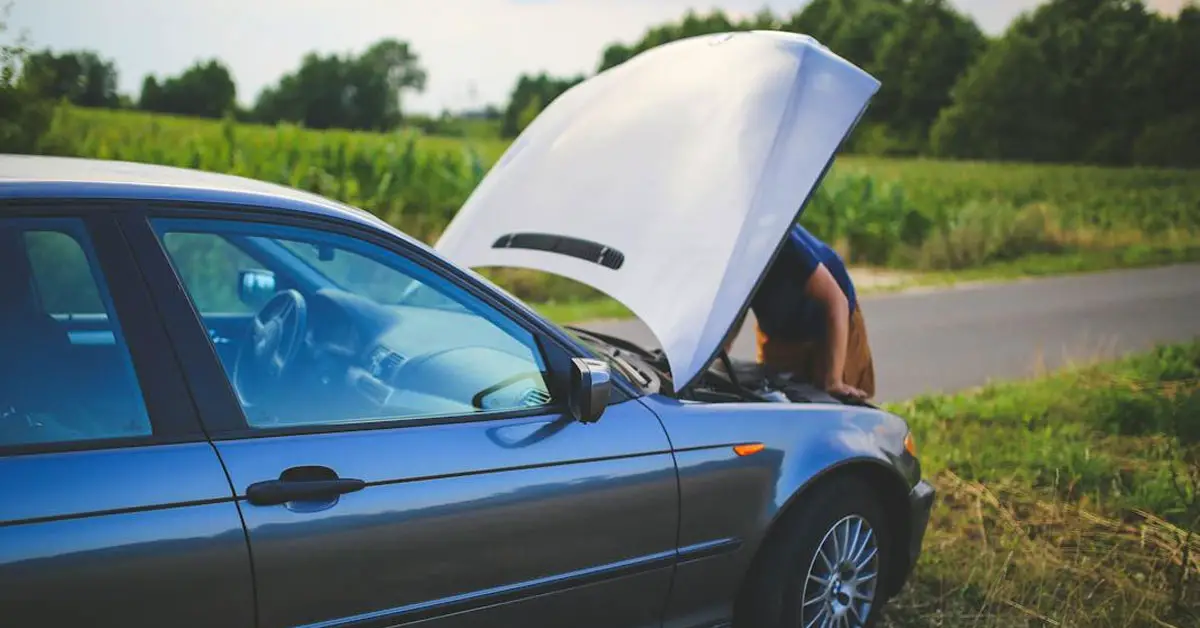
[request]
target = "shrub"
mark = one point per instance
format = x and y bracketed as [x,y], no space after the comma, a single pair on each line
[1174,141]
[983,232]
[24,116]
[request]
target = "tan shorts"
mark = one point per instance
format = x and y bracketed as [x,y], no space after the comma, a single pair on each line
[807,359]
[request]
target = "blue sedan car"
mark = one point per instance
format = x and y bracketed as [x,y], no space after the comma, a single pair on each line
[228,403]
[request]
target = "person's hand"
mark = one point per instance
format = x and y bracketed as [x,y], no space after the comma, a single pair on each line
[839,388]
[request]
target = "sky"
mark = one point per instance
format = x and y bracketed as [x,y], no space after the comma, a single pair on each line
[473,50]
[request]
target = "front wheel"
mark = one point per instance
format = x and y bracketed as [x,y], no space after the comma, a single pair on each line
[824,564]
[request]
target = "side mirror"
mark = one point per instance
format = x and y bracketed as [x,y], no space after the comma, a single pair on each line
[591,383]
[256,287]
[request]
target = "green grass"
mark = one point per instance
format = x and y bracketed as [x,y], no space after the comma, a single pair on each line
[1046,265]
[566,312]
[1068,262]
[1063,501]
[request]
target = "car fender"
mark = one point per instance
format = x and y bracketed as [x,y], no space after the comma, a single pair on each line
[729,503]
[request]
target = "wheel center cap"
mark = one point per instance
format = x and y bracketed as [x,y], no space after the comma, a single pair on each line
[840,594]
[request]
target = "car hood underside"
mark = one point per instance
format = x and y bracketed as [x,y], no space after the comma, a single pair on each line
[669,181]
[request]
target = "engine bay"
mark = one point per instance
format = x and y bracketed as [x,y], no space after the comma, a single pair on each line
[727,380]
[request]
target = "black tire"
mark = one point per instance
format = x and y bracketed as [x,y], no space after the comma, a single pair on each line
[773,592]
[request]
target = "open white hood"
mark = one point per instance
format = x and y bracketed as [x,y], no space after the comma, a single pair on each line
[669,181]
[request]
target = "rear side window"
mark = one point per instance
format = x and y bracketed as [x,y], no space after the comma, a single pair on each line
[65,372]
[62,274]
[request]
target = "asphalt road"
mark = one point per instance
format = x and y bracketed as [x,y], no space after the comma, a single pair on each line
[959,338]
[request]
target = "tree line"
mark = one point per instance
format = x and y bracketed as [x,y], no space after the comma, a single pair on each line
[1092,81]
[327,91]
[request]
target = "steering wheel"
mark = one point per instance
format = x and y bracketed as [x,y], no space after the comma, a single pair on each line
[275,337]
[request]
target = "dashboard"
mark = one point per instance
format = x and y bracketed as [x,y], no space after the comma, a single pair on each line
[362,360]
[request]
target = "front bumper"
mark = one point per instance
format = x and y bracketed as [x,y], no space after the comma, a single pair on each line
[921,504]
[920,501]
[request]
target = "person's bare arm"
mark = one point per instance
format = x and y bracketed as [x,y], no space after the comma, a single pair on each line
[824,288]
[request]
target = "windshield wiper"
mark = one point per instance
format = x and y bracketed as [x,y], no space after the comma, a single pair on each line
[614,355]
[642,378]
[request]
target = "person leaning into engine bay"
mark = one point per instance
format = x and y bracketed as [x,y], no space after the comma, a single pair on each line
[809,321]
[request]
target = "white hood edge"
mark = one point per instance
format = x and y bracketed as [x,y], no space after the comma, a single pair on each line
[669,181]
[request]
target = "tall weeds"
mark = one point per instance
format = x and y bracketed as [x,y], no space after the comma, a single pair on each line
[1072,500]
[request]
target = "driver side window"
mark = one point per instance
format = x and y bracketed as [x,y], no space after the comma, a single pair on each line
[317,328]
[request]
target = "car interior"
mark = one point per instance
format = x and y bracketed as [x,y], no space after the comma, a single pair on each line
[308,349]
[65,376]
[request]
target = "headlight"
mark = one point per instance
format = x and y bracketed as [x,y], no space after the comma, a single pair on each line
[910,444]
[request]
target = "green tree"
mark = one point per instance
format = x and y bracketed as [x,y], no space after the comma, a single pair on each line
[1111,58]
[362,92]
[917,48]
[312,96]
[379,77]
[531,111]
[692,25]
[1102,81]
[79,77]
[24,114]
[919,60]
[1171,142]
[1172,139]
[529,97]
[206,90]
[1182,90]
[851,28]
[1010,105]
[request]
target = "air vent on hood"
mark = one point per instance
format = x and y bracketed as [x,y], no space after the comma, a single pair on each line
[563,245]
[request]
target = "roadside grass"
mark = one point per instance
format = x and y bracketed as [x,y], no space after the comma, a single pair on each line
[1071,500]
[1065,263]
[589,306]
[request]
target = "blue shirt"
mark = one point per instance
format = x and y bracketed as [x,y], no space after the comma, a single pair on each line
[780,305]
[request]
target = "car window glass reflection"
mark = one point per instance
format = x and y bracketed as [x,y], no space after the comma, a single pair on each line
[66,374]
[329,329]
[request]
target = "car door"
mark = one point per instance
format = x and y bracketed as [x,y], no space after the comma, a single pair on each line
[114,508]
[399,442]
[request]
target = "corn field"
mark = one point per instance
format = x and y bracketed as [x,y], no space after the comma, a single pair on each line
[412,181]
[907,213]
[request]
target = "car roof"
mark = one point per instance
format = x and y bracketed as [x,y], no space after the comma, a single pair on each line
[42,177]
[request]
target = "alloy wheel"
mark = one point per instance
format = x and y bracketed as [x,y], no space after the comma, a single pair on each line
[842,579]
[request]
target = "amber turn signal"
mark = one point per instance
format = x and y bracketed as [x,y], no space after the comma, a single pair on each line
[910,444]
[746,450]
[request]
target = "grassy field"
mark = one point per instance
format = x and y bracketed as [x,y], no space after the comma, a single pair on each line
[939,221]
[1072,500]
